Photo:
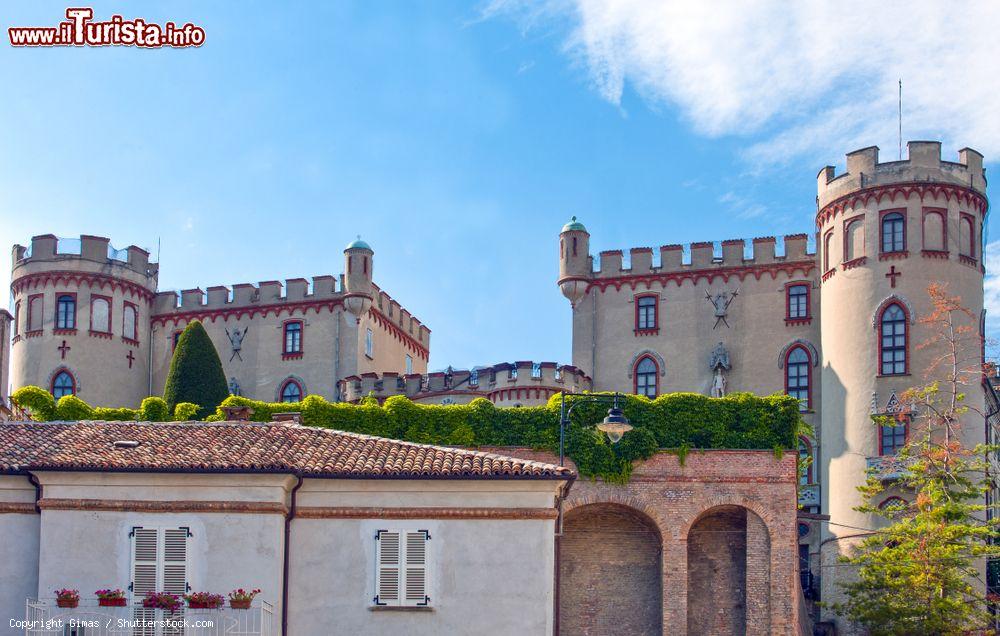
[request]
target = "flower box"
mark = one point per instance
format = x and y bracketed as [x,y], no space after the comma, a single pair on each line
[204,600]
[112,602]
[240,604]
[68,602]
[67,598]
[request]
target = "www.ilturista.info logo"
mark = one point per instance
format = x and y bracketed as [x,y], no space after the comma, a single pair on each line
[80,30]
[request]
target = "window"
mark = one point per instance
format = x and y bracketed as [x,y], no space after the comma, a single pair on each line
[797,376]
[893,503]
[474,377]
[805,459]
[893,232]
[35,304]
[401,567]
[536,370]
[66,312]
[100,314]
[409,363]
[129,322]
[63,384]
[827,246]
[892,340]
[645,377]
[893,437]
[17,318]
[798,301]
[935,231]
[512,372]
[176,338]
[854,239]
[293,337]
[645,312]
[967,236]
[159,564]
[291,391]
[369,343]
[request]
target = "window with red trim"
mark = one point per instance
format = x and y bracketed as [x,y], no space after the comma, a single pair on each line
[646,377]
[646,311]
[893,437]
[130,319]
[935,230]
[893,232]
[892,340]
[63,383]
[967,235]
[66,311]
[100,314]
[35,308]
[291,391]
[797,301]
[805,459]
[293,337]
[854,238]
[798,376]
[17,317]
[827,243]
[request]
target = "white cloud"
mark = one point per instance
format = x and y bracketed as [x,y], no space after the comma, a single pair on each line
[797,79]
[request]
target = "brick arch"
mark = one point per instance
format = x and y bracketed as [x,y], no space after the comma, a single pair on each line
[635,504]
[683,528]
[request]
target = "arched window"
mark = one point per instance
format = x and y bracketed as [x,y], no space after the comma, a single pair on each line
[827,246]
[854,239]
[892,341]
[934,231]
[894,505]
[66,312]
[63,384]
[966,236]
[798,376]
[100,314]
[291,391]
[646,377]
[805,459]
[129,317]
[35,305]
[894,232]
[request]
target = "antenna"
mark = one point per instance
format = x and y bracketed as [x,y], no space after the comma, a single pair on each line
[157,249]
[901,119]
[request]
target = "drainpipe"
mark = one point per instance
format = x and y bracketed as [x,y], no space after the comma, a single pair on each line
[593,336]
[149,389]
[284,566]
[38,490]
[336,360]
[563,493]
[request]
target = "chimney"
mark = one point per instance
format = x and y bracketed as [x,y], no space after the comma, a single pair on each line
[292,418]
[237,413]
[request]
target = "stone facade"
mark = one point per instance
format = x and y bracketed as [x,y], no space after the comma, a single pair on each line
[345,327]
[885,231]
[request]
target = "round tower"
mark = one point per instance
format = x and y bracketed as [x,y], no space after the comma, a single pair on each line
[81,319]
[574,260]
[358,277]
[885,232]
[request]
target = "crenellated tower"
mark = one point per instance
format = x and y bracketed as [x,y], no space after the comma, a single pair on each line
[358,262]
[885,232]
[81,318]
[574,260]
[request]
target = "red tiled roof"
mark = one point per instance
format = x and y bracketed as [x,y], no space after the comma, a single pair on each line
[247,447]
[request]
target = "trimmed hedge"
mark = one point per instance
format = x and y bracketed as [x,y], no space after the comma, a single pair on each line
[196,374]
[678,421]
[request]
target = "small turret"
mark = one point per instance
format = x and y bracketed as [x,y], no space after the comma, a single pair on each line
[358,277]
[574,260]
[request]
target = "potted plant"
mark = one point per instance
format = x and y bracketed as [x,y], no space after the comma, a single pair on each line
[241,599]
[204,600]
[67,598]
[162,600]
[111,598]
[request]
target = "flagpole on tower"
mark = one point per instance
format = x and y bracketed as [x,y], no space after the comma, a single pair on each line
[900,119]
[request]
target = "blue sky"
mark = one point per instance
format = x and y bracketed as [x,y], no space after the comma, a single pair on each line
[457,138]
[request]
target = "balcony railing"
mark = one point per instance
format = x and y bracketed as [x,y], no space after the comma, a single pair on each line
[43,617]
[808,495]
[888,467]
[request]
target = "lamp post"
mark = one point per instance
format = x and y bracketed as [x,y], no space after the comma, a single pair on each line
[615,424]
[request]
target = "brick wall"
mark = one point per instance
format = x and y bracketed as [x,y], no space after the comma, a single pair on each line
[717,573]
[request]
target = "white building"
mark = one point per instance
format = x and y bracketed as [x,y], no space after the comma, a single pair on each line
[343,533]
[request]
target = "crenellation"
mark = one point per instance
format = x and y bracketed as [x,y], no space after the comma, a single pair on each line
[796,247]
[733,251]
[611,263]
[641,260]
[244,293]
[138,259]
[296,289]
[270,291]
[192,299]
[94,247]
[324,285]
[763,249]
[702,254]
[164,302]
[43,246]
[671,257]
[218,296]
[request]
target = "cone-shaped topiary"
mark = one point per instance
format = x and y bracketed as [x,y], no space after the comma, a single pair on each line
[196,374]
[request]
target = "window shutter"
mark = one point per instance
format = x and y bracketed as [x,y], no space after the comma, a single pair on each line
[388,568]
[175,560]
[144,559]
[416,568]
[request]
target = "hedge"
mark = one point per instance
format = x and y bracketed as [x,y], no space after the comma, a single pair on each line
[677,421]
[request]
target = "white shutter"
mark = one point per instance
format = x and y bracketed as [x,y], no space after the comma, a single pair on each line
[387,567]
[175,560]
[145,558]
[415,568]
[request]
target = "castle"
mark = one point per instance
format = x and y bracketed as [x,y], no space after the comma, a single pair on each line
[837,328]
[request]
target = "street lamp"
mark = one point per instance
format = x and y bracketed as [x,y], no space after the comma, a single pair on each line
[615,424]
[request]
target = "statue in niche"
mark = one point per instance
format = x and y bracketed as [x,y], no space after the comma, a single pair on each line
[719,364]
[234,386]
[721,302]
[236,340]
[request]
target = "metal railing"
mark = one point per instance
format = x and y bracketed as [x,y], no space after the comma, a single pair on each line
[809,495]
[43,617]
[888,467]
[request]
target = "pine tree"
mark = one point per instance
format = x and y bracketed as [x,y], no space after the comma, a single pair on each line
[196,374]
[920,574]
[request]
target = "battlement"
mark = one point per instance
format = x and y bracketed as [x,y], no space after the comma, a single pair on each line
[702,255]
[325,288]
[485,381]
[923,164]
[48,248]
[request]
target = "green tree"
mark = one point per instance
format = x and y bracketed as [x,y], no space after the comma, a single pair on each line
[921,572]
[196,374]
